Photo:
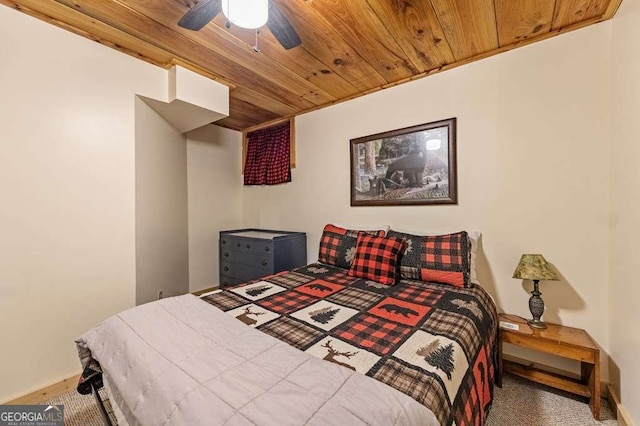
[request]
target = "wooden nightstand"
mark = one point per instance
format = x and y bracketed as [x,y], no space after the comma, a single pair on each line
[567,342]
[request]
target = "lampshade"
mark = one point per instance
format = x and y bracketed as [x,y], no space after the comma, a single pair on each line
[534,267]
[246,13]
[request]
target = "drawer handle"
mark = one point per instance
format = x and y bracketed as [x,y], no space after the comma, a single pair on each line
[226,254]
[248,246]
[226,268]
[224,242]
[239,244]
[267,249]
[264,262]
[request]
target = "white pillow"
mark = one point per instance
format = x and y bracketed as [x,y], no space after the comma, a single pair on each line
[384,228]
[474,237]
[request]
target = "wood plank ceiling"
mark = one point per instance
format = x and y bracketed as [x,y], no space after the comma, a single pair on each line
[349,47]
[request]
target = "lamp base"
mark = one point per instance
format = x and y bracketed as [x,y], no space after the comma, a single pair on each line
[536,306]
[537,324]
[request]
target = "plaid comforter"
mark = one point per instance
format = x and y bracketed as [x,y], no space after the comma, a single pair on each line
[433,342]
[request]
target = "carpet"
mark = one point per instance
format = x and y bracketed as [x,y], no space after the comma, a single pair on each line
[521,402]
[518,403]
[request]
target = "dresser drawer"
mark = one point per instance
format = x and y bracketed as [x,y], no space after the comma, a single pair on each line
[227,242]
[232,243]
[227,255]
[226,281]
[247,245]
[264,263]
[255,260]
[237,270]
[243,272]
[259,246]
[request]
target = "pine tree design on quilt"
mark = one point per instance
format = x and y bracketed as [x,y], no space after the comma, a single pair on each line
[438,356]
[258,290]
[324,315]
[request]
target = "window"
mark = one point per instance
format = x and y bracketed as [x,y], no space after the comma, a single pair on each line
[269,154]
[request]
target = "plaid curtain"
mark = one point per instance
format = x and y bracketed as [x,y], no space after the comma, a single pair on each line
[268,159]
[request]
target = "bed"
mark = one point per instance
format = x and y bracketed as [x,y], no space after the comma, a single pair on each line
[314,345]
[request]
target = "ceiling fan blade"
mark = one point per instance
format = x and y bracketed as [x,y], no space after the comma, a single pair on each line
[200,14]
[281,28]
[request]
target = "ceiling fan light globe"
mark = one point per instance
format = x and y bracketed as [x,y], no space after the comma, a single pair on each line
[246,13]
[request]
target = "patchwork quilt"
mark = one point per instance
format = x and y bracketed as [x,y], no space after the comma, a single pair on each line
[433,342]
[178,361]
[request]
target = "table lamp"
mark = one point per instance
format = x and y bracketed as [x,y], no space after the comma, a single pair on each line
[535,268]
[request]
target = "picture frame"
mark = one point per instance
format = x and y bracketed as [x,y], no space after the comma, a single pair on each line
[410,166]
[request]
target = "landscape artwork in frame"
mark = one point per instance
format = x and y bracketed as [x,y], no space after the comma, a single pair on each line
[411,166]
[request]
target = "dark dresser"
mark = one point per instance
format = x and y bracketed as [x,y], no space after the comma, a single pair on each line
[249,254]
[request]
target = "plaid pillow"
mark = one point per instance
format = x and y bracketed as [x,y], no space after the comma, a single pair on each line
[338,245]
[376,258]
[437,258]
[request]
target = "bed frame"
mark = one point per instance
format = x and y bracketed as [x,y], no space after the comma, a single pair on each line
[103,403]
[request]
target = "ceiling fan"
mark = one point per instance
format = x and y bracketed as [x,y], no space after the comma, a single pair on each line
[205,10]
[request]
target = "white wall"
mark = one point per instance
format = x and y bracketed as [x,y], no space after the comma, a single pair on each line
[624,321]
[214,156]
[67,219]
[162,231]
[533,169]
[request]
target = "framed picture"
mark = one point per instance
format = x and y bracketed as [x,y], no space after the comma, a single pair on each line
[411,166]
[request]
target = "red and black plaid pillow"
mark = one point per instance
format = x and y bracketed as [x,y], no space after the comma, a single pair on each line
[338,245]
[376,258]
[436,258]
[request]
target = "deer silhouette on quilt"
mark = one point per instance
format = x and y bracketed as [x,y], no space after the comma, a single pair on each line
[245,317]
[334,353]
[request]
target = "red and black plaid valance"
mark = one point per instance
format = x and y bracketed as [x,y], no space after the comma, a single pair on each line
[268,160]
